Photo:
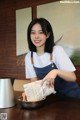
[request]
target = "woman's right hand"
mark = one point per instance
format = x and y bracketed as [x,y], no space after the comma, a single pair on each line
[24,98]
[50,77]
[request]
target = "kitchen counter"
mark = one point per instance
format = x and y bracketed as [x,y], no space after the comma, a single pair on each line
[54,108]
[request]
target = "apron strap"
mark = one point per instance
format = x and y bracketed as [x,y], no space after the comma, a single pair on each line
[32,61]
[50,56]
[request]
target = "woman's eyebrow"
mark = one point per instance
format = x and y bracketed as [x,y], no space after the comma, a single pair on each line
[32,30]
[35,30]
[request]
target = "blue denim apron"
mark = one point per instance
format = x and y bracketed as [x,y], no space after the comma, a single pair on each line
[62,87]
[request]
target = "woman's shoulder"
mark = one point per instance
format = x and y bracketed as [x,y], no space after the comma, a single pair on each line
[28,54]
[57,48]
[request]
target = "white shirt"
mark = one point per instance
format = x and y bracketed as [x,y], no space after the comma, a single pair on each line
[60,58]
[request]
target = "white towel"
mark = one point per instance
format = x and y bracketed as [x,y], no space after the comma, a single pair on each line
[35,91]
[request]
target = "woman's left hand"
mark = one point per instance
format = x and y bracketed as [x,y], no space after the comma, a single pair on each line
[50,77]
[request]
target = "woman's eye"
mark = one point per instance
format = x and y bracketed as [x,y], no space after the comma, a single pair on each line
[41,32]
[32,32]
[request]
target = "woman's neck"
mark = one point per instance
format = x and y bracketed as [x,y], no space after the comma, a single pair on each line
[40,50]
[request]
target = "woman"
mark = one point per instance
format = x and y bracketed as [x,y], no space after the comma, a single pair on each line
[47,61]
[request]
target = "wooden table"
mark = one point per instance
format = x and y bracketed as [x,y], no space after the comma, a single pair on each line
[55,108]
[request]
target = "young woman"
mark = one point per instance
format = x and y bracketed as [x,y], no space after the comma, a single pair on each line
[47,61]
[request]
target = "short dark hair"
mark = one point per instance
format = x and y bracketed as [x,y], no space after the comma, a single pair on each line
[46,28]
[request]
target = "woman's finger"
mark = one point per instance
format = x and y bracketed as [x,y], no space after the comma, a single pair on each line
[24,96]
[49,82]
[42,82]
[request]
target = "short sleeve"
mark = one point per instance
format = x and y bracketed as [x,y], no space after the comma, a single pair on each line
[62,60]
[29,69]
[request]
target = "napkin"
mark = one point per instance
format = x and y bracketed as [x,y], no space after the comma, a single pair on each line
[35,91]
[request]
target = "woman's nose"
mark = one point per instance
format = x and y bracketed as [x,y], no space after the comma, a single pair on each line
[36,35]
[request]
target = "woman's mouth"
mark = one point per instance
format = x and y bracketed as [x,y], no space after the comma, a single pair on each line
[37,41]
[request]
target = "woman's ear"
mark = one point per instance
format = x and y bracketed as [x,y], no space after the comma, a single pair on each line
[48,35]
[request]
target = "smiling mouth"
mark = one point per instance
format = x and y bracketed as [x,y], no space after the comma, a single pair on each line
[37,41]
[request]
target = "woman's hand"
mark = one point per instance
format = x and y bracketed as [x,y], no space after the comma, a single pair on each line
[24,98]
[67,76]
[50,77]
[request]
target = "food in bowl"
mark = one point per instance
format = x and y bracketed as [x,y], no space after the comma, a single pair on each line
[30,105]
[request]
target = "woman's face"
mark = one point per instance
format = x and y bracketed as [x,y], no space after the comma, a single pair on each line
[38,38]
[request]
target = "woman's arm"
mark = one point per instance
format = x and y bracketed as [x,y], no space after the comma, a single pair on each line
[67,76]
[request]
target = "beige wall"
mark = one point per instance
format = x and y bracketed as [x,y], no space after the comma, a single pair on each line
[65,20]
[23,18]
